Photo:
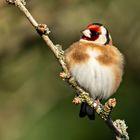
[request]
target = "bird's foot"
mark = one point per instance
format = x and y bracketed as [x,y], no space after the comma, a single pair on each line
[96,103]
[112,102]
[109,105]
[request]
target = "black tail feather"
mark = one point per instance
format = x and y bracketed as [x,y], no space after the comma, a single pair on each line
[83,110]
[87,110]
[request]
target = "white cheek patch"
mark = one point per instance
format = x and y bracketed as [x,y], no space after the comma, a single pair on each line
[87,33]
[103,30]
[102,37]
[101,40]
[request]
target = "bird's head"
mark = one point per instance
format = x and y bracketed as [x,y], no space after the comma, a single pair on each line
[96,33]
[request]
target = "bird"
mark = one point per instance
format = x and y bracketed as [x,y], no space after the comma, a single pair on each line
[96,64]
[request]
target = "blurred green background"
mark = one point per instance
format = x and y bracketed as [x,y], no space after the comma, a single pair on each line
[35,104]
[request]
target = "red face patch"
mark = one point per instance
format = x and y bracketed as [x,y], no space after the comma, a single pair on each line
[93,38]
[93,27]
[95,31]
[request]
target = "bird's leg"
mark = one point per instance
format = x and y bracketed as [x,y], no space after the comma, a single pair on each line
[109,105]
[105,110]
[96,103]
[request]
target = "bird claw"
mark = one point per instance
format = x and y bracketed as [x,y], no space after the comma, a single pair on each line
[109,105]
[112,102]
[96,103]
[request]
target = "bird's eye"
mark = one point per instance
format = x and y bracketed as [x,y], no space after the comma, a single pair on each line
[94,33]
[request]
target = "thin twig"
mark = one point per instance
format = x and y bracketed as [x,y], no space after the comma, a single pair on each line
[118,127]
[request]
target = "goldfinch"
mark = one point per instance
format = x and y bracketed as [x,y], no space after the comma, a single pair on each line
[96,64]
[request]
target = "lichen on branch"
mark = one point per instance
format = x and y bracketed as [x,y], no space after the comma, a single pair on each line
[118,127]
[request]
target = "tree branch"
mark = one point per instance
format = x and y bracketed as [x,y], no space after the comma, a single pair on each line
[118,127]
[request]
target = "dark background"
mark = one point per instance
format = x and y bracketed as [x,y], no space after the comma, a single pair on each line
[35,104]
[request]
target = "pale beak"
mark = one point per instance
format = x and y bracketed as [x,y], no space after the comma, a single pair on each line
[86,33]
